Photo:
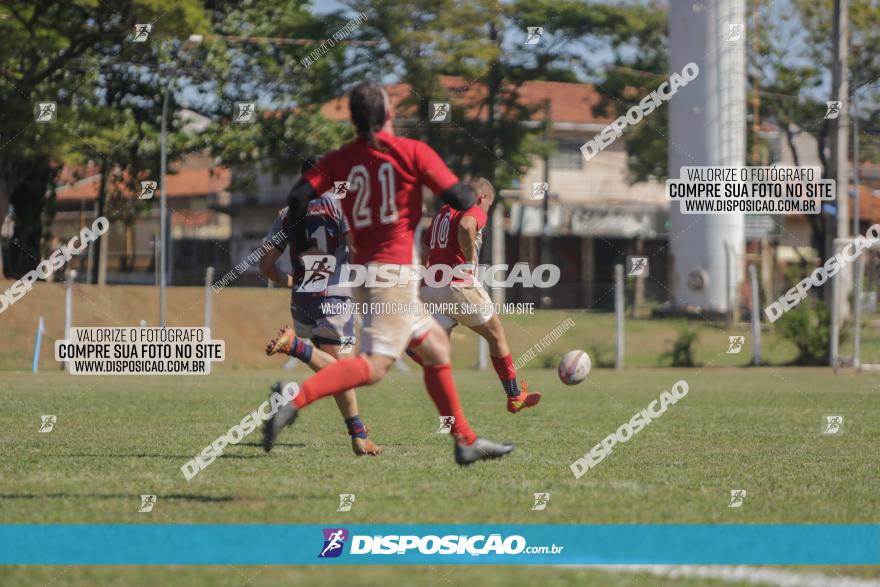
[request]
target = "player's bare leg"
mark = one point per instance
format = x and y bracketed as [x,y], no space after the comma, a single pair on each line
[321,357]
[379,365]
[361,444]
[412,354]
[517,398]
[283,343]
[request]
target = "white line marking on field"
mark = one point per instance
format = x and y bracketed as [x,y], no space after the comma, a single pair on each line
[741,574]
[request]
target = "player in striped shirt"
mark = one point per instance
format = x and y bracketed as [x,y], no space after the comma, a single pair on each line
[315,238]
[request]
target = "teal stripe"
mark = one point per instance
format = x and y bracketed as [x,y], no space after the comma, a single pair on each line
[162,544]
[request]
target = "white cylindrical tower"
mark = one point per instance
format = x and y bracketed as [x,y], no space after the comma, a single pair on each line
[707,126]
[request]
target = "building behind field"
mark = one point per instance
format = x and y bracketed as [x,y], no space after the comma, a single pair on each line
[590,219]
[199,235]
[593,217]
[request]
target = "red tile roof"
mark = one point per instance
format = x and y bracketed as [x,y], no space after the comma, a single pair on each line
[569,103]
[182,184]
[70,174]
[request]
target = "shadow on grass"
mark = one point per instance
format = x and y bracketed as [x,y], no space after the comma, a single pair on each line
[284,444]
[177,497]
[225,455]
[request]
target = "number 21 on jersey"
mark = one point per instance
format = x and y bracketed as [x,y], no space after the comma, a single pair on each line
[359,182]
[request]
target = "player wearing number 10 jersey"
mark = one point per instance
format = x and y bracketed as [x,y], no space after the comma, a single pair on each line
[454,239]
[380,177]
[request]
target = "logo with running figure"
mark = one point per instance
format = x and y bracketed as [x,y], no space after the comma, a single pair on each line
[833,425]
[148,190]
[142,32]
[245,112]
[541,501]
[147,503]
[340,190]
[346,500]
[47,423]
[334,541]
[638,266]
[833,109]
[45,112]
[736,344]
[737,498]
[318,270]
[533,34]
[446,424]
[440,111]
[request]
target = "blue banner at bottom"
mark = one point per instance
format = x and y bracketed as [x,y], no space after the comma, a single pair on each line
[246,544]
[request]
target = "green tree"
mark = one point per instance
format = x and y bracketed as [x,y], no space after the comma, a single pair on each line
[640,64]
[258,57]
[783,83]
[483,42]
[421,40]
[57,51]
[790,61]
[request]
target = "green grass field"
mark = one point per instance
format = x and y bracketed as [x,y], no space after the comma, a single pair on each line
[119,437]
[253,576]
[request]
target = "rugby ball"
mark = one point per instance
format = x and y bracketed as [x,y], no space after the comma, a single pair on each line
[574,367]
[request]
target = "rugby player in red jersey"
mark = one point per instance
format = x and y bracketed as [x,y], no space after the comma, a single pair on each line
[454,240]
[384,175]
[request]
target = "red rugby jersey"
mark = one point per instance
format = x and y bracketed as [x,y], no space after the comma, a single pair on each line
[441,238]
[383,200]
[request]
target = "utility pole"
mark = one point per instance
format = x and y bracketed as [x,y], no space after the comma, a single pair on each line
[840,135]
[757,151]
[164,237]
[840,93]
[163,211]
[856,159]
[858,265]
[545,203]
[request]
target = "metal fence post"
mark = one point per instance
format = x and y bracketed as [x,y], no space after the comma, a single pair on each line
[68,306]
[857,314]
[209,279]
[756,316]
[619,311]
[38,343]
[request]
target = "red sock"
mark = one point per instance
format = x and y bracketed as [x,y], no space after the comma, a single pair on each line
[504,367]
[441,388]
[341,376]
[507,374]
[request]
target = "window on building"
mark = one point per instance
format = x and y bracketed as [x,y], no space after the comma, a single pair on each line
[567,155]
